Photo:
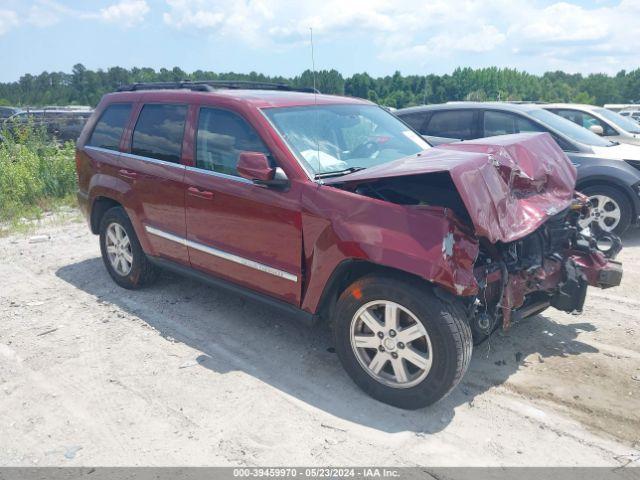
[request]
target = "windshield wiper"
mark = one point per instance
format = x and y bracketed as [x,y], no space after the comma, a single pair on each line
[338,173]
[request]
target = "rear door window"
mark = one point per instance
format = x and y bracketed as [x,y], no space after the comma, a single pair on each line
[503,123]
[451,124]
[159,131]
[108,130]
[221,136]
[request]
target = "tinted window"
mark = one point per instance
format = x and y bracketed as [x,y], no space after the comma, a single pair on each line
[569,129]
[414,120]
[221,137]
[109,128]
[451,124]
[158,133]
[585,120]
[502,123]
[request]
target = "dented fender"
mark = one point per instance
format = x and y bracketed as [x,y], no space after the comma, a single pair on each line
[429,242]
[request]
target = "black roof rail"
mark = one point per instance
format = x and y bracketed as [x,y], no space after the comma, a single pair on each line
[213,85]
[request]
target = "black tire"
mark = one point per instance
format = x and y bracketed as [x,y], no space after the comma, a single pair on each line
[626,209]
[142,271]
[444,321]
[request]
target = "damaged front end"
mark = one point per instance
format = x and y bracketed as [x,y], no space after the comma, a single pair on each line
[516,195]
[552,266]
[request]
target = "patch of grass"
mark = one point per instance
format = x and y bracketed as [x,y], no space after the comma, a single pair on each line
[36,174]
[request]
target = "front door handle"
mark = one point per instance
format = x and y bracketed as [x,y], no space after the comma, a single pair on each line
[196,192]
[127,173]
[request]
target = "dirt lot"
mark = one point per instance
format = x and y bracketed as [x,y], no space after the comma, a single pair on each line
[184,374]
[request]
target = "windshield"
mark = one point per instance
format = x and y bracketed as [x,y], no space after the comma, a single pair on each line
[624,123]
[333,138]
[570,129]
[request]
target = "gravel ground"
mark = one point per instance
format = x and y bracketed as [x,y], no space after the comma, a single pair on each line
[184,374]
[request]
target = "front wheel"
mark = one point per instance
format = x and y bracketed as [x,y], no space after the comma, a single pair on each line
[610,209]
[401,343]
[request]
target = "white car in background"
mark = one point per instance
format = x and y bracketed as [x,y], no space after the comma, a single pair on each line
[632,114]
[599,120]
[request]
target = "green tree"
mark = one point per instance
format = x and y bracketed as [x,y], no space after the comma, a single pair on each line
[85,86]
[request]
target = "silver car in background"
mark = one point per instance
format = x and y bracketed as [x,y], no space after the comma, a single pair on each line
[632,114]
[599,120]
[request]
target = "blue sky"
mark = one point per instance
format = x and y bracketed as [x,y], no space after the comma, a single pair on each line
[272,36]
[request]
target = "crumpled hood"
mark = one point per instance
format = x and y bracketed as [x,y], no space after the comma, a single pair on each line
[509,184]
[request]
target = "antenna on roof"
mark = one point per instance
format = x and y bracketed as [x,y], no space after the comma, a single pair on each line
[315,100]
[313,61]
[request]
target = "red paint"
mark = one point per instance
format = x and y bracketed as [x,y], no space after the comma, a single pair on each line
[255,166]
[308,230]
[510,184]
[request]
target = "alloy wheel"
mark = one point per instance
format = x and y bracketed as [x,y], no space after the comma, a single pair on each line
[391,344]
[605,211]
[119,249]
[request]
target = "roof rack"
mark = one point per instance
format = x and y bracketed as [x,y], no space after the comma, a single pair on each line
[213,85]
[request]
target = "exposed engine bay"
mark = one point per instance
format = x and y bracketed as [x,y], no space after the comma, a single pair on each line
[553,266]
[516,199]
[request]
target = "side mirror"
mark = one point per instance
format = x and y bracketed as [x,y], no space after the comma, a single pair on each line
[255,166]
[597,129]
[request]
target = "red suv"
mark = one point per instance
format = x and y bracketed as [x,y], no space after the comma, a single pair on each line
[332,208]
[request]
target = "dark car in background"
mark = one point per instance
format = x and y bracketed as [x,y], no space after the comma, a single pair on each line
[62,123]
[608,173]
[6,112]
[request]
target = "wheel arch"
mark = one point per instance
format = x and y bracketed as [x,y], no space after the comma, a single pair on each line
[99,207]
[350,270]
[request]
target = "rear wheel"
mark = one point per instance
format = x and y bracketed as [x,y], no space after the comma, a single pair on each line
[122,254]
[399,342]
[610,209]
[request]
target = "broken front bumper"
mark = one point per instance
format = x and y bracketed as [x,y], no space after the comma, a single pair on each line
[599,271]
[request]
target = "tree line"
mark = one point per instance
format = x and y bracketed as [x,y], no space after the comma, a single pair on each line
[85,87]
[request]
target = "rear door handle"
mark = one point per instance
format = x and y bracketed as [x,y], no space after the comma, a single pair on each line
[196,192]
[127,173]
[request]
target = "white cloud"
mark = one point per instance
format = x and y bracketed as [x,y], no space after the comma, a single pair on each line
[562,34]
[42,16]
[127,12]
[8,20]
[562,22]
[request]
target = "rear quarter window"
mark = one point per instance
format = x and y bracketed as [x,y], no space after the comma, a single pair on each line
[159,131]
[109,128]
